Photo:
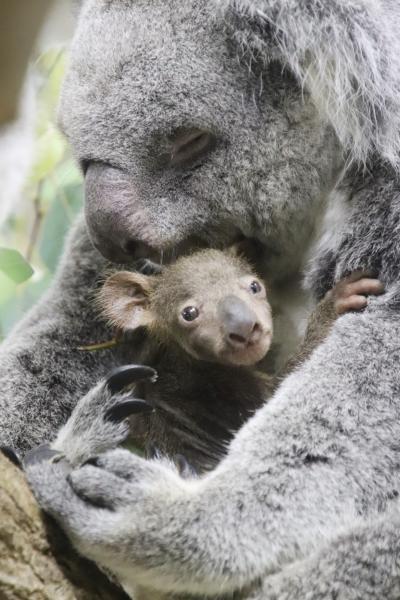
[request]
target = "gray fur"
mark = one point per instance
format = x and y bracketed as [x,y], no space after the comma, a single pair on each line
[307,493]
[344,53]
[374,548]
[87,432]
[323,466]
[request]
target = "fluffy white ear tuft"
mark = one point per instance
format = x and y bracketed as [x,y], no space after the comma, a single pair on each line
[346,53]
[124,300]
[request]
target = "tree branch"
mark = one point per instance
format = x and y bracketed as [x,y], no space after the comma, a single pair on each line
[36,560]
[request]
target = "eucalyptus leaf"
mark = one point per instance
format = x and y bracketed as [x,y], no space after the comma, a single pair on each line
[14,265]
[49,202]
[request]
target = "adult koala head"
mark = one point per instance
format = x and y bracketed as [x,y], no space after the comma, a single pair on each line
[202,121]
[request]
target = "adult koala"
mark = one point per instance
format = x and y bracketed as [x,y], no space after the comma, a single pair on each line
[199,122]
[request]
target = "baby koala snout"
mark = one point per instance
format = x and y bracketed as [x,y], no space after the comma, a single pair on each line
[239,322]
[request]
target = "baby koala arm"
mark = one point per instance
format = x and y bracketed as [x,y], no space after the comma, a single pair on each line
[349,294]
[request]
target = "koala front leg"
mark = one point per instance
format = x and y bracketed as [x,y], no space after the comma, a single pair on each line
[101,514]
[360,564]
[149,527]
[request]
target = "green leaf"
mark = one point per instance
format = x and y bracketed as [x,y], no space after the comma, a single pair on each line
[14,265]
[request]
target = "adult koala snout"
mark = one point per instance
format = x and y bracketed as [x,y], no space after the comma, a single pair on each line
[117,224]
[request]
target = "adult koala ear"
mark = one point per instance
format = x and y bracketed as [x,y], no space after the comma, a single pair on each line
[346,53]
[124,300]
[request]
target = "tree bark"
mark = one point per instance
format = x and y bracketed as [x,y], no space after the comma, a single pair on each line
[36,560]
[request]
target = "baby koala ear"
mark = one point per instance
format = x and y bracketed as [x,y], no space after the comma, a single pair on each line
[234,249]
[246,249]
[124,300]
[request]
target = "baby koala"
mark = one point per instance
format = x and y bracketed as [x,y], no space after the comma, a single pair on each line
[210,304]
[209,323]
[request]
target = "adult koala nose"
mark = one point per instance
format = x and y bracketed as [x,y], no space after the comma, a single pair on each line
[116,224]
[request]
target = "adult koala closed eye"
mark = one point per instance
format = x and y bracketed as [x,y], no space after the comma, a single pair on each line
[197,123]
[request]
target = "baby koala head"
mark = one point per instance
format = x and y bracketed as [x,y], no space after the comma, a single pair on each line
[211,303]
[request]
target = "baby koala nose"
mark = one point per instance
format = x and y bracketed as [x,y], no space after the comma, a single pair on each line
[239,322]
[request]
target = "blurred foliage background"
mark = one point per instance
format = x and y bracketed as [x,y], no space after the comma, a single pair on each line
[31,240]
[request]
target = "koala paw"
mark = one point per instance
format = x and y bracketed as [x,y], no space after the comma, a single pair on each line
[137,518]
[115,504]
[351,293]
[98,422]
[119,479]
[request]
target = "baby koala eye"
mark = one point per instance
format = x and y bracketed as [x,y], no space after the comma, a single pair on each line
[190,313]
[255,287]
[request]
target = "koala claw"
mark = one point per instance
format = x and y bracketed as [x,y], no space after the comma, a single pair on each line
[40,454]
[122,410]
[11,455]
[121,377]
[92,462]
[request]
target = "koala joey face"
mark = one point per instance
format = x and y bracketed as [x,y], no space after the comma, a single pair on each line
[183,143]
[231,328]
[210,303]
[214,307]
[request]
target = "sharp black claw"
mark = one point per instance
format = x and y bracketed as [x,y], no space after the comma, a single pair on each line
[93,462]
[124,376]
[186,470]
[11,455]
[124,409]
[40,454]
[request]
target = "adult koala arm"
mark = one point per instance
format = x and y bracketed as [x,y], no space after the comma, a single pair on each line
[42,372]
[362,563]
[308,464]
